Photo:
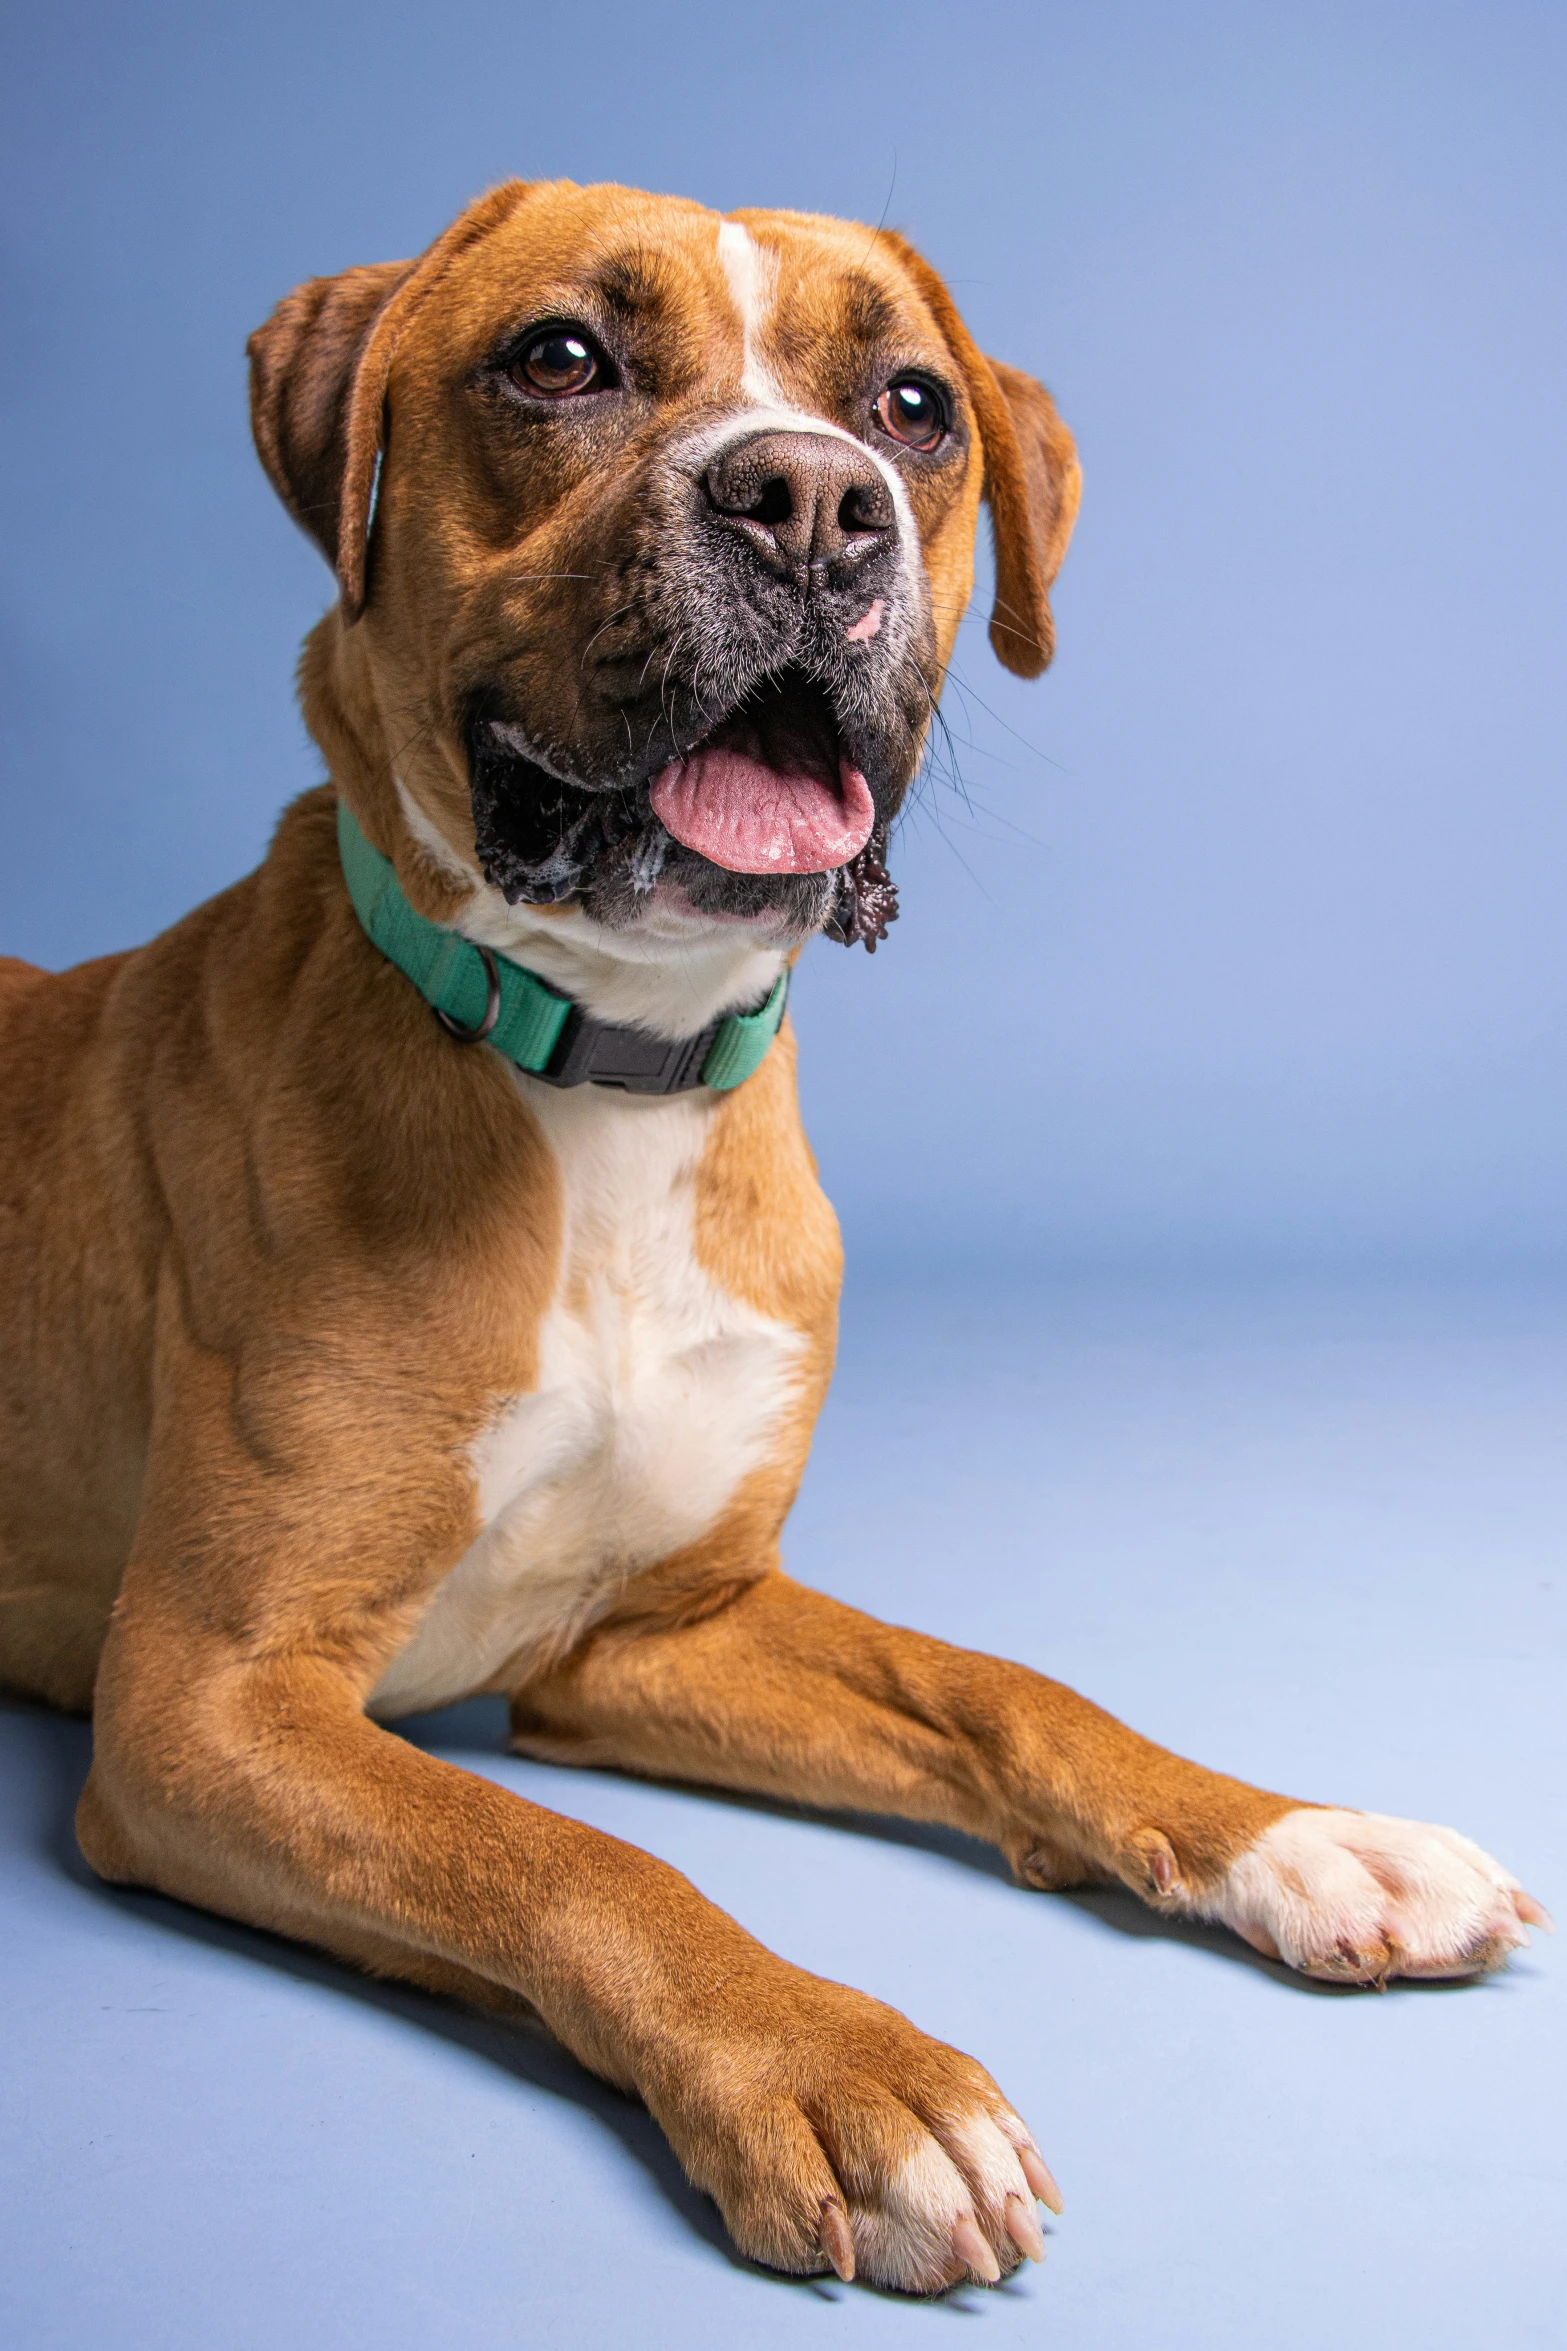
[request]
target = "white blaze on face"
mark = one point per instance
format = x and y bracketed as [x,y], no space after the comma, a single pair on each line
[753,282]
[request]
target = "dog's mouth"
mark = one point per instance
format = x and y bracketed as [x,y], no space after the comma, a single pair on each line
[771,790]
[767,819]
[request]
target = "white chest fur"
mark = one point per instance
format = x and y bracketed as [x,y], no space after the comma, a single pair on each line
[657,1393]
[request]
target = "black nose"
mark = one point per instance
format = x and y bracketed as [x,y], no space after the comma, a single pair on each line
[815,508]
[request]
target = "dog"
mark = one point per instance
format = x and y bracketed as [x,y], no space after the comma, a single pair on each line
[415,1280]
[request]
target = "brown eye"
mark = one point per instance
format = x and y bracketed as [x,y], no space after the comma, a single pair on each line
[913,412]
[558,362]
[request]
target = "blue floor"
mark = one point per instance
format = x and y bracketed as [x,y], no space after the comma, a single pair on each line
[1317,1539]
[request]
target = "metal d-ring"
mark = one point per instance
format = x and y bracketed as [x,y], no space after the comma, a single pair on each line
[492,1007]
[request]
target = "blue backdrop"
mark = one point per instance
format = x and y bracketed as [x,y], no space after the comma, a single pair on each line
[1234,949]
[1239,937]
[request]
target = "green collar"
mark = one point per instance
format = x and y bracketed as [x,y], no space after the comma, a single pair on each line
[478,996]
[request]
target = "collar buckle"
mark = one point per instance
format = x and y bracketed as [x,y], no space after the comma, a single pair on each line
[593,1052]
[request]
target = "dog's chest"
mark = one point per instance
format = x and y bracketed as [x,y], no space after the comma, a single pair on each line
[657,1392]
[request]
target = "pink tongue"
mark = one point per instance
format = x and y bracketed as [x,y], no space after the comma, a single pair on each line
[749,818]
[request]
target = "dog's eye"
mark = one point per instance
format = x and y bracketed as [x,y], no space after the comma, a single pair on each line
[913,412]
[557,362]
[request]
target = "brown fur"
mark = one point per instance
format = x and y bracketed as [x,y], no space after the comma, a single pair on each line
[271,1248]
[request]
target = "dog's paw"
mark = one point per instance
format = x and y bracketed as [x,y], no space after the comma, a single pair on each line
[1357,1897]
[833,2134]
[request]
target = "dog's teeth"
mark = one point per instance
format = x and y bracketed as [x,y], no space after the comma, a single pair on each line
[1024,2229]
[1037,2173]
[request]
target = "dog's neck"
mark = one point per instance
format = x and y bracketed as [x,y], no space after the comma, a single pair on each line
[670,975]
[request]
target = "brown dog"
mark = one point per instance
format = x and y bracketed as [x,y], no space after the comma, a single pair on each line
[351,1367]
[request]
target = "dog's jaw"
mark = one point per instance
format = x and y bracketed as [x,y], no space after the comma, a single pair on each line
[542,837]
[673,972]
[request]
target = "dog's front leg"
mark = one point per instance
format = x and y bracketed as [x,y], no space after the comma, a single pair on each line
[788,1693]
[275,1568]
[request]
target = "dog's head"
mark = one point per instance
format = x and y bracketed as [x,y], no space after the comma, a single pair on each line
[652,532]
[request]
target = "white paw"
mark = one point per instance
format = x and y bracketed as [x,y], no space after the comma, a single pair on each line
[941,2210]
[832,2133]
[1358,1897]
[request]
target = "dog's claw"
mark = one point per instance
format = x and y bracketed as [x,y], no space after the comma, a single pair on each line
[971,2249]
[1037,2173]
[1024,2229]
[836,2240]
[1533,1914]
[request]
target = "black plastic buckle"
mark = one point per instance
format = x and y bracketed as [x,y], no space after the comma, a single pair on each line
[592,1052]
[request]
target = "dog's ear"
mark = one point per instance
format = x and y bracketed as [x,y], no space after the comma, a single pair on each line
[1032,480]
[319,370]
[303,363]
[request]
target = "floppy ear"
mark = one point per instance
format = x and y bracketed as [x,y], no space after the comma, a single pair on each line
[319,370]
[303,364]
[1032,481]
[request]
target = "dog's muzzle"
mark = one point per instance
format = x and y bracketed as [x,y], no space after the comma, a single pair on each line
[751,705]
